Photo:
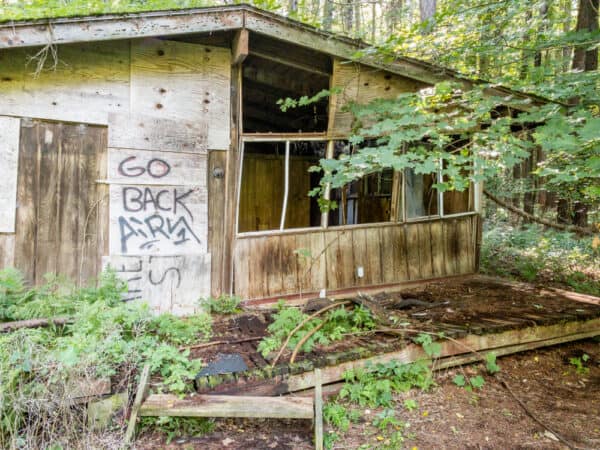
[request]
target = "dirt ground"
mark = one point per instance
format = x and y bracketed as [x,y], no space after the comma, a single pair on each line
[564,400]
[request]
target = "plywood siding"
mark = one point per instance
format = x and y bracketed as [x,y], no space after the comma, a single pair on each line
[9,158]
[166,80]
[268,266]
[361,84]
[180,81]
[62,210]
[89,81]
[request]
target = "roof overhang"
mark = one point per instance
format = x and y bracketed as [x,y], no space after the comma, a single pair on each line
[43,32]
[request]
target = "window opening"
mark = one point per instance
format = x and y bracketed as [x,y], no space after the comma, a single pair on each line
[421,198]
[275,184]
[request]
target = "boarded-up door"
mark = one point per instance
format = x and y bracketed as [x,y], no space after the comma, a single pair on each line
[62,210]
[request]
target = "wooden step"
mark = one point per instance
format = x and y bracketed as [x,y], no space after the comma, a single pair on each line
[228,406]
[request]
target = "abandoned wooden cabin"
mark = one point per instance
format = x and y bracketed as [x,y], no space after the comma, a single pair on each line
[153,143]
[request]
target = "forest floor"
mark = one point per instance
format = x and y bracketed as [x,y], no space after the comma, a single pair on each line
[564,399]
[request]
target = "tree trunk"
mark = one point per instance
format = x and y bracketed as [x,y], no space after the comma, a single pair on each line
[427,10]
[327,14]
[563,211]
[587,20]
[348,16]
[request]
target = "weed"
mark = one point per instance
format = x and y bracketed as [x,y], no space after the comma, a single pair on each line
[490,363]
[387,418]
[470,383]
[174,427]
[337,323]
[410,404]
[40,368]
[223,304]
[579,363]
[339,416]
[374,385]
[329,439]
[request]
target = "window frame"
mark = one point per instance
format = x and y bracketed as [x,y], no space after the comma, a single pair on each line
[398,213]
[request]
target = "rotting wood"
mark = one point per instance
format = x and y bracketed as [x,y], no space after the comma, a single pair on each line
[318,411]
[305,338]
[228,406]
[474,342]
[239,47]
[213,343]
[137,404]
[33,323]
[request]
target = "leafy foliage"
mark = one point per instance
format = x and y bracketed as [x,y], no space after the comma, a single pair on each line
[223,304]
[39,366]
[337,322]
[174,427]
[537,255]
[375,385]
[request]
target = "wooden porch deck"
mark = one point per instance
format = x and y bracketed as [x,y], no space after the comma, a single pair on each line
[476,314]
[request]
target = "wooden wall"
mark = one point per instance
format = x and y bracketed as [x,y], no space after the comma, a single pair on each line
[268,266]
[161,106]
[62,212]
[361,84]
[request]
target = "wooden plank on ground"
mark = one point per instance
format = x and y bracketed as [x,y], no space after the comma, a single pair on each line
[463,346]
[142,390]
[228,406]
[318,411]
[10,128]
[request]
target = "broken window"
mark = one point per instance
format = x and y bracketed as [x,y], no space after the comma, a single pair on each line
[275,184]
[421,198]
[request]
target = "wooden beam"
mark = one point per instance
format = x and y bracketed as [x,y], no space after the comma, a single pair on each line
[318,411]
[137,403]
[239,47]
[570,331]
[228,406]
[289,63]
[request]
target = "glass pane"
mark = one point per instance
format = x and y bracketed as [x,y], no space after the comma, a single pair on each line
[420,195]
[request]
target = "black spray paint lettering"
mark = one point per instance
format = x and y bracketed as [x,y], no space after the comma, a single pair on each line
[156,168]
[152,228]
[144,199]
[141,276]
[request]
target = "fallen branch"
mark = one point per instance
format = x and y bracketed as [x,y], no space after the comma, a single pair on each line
[534,417]
[519,212]
[302,341]
[304,322]
[33,323]
[210,344]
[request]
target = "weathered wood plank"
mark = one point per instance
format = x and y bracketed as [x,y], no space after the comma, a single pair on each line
[318,263]
[424,243]
[463,347]
[7,250]
[333,263]
[413,258]
[389,262]
[289,262]
[158,168]
[450,246]
[10,129]
[89,81]
[228,406]
[216,219]
[436,232]
[241,267]
[141,393]
[27,193]
[361,84]
[358,260]
[146,132]
[48,200]
[374,255]
[239,46]
[180,81]
[168,283]
[318,411]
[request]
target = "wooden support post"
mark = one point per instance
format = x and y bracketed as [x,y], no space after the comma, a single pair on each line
[137,403]
[239,47]
[318,411]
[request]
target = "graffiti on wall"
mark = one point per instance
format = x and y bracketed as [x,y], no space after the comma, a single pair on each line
[167,283]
